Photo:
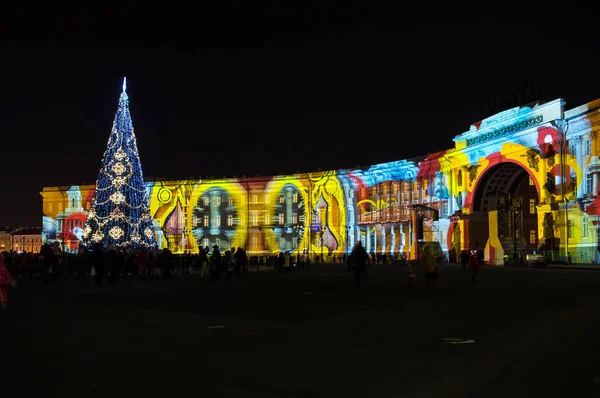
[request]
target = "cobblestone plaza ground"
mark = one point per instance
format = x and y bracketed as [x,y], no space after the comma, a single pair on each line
[518,331]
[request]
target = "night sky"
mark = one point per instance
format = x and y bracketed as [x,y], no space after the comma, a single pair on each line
[232,89]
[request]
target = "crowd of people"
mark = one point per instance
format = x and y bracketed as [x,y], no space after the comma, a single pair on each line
[112,264]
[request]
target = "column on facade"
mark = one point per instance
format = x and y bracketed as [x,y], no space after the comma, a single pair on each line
[594,149]
[579,156]
[392,239]
[401,239]
[594,157]
[463,188]
[543,192]
[450,192]
[374,237]
[383,236]
[368,237]
[409,240]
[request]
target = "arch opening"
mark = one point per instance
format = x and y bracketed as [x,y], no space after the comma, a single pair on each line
[503,220]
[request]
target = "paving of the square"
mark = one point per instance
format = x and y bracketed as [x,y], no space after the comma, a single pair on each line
[533,332]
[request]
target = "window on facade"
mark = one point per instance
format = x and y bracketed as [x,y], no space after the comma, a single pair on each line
[253,218]
[229,220]
[588,183]
[571,228]
[254,242]
[281,199]
[295,199]
[588,147]
[254,199]
[532,237]
[531,183]
[584,227]
[281,219]
[242,201]
[49,206]
[295,218]
[573,149]
[205,222]
[531,206]
[218,200]
[205,200]
[194,221]
[218,221]
[267,200]
[230,201]
[267,219]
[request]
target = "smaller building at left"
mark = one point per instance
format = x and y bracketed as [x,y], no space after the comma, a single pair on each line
[21,239]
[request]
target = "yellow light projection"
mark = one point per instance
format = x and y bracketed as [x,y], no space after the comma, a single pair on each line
[523,180]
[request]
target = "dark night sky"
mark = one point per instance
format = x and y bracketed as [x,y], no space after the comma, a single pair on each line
[232,90]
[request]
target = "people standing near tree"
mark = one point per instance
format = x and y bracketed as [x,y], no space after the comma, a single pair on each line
[112,262]
[99,262]
[359,259]
[6,280]
[141,262]
[165,261]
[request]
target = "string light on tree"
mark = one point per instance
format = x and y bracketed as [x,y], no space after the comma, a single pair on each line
[120,212]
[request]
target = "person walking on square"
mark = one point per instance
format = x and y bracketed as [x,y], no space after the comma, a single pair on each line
[359,259]
[6,280]
[430,263]
[474,264]
[411,271]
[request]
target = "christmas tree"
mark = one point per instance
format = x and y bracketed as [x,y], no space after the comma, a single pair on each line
[120,212]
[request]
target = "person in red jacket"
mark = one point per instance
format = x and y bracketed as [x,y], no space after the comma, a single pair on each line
[5,280]
[141,261]
[474,264]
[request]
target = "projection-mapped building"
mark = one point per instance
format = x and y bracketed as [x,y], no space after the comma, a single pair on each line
[521,180]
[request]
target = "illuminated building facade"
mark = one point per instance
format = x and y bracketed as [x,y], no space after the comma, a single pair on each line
[521,180]
[26,240]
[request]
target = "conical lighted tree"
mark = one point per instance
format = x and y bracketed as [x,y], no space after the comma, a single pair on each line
[120,212]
